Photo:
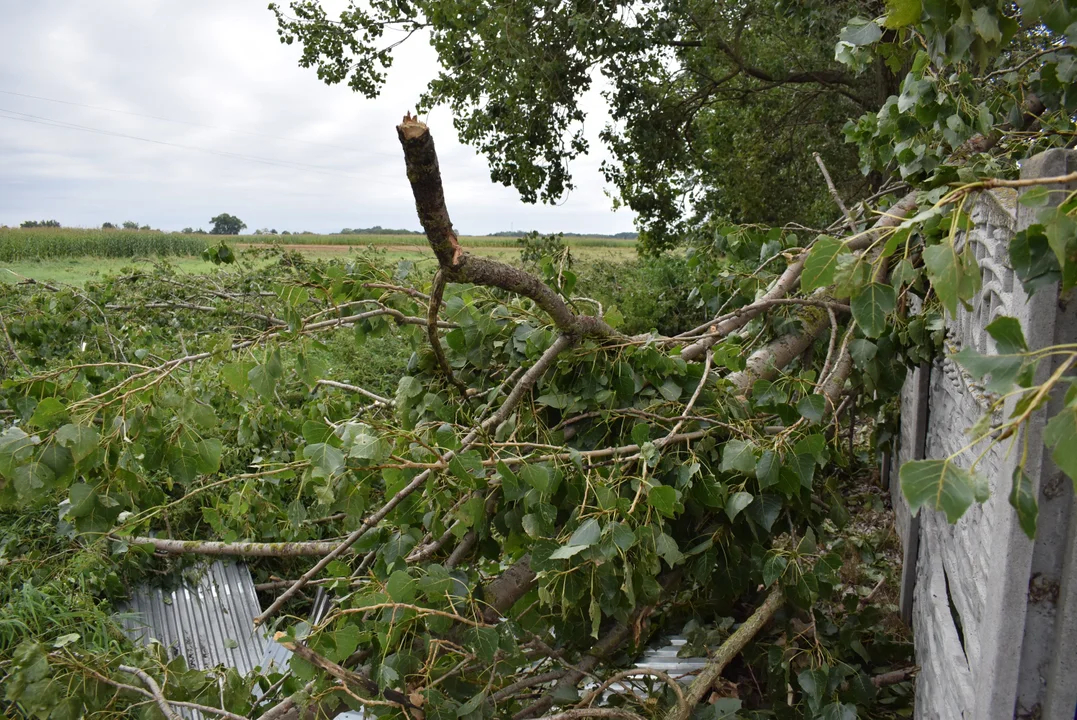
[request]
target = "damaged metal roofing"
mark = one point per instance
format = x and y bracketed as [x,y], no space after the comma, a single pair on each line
[208,622]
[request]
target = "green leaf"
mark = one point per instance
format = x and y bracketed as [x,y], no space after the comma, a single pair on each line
[325,457]
[1061,234]
[641,433]
[663,498]
[954,277]
[1023,500]
[870,307]
[1035,197]
[556,400]
[80,440]
[587,534]
[47,412]
[235,376]
[1008,335]
[739,456]
[773,568]
[902,13]
[938,485]
[82,499]
[263,378]
[737,502]
[33,479]
[566,551]
[1003,369]
[812,407]
[614,318]
[670,390]
[1032,259]
[15,447]
[986,24]
[860,32]
[364,443]
[537,476]
[401,587]
[863,352]
[766,470]
[484,641]
[838,711]
[667,549]
[1061,435]
[208,454]
[821,263]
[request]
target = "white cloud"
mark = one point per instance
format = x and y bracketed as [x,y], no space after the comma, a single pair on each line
[317,158]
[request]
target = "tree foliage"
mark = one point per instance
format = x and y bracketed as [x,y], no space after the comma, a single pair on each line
[715,107]
[225,224]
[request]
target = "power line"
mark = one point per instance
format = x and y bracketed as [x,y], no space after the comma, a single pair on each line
[194,124]
[50,122]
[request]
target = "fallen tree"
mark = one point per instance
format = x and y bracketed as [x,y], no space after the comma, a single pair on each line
[545,492]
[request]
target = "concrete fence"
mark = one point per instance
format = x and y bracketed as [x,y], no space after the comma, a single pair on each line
[994,615]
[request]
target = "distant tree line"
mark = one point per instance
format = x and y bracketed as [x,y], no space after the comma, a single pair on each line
[523,234]
[376,230]
[40,223]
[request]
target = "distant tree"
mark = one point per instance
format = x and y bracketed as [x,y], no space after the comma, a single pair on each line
[130,225]
[225,224]
[108,226]
[187,230]
[40,223]
[200,231]
[145,227]
[286,232]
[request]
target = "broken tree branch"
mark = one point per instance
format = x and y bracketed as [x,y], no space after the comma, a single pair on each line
[424,174]
[729,650]
[244,549]
[523,385]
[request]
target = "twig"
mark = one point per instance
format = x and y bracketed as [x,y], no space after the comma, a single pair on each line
[541,679]
[11,345]
[893,677]
[378,399]
[154,691]
[691,403]
[664,677]
[437,289]
[834,193]
[1029,59]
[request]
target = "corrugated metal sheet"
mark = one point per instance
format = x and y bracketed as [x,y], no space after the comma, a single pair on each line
[208,622]
[665,659]
[211,623]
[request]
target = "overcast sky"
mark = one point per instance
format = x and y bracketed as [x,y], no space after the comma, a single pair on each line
[261,137]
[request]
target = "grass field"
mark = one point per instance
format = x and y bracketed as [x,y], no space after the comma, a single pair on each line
[74,256]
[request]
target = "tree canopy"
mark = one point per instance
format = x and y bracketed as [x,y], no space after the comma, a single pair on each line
[225,224]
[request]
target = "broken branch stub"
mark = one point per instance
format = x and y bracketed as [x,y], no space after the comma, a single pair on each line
[424,174]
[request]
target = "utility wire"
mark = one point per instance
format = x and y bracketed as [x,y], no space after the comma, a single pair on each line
[49,122]
[195,124]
